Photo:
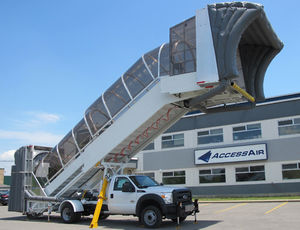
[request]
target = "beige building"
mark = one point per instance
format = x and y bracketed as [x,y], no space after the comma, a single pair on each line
[1,176]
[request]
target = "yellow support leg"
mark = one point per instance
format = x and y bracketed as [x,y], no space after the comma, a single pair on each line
[101,197]
[243,92]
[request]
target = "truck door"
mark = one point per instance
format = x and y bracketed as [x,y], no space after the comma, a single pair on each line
[121,202]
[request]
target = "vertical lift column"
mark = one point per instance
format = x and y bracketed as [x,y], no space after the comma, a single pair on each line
[101,196]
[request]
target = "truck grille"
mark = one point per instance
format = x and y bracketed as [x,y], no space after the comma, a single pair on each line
[182,196]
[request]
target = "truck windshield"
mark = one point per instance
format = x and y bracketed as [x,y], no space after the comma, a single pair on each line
[143,181]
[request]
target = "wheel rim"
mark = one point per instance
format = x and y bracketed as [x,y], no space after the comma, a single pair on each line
[150,217]
[66,214]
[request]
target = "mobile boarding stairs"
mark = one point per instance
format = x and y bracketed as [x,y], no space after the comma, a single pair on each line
[214,61]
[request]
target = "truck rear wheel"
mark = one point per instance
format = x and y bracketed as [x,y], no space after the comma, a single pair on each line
[68,215]
[151,217]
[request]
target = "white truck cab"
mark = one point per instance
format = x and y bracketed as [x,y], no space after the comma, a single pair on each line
[140,196]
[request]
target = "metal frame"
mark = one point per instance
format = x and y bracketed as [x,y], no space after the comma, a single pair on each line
[147,67]
[113,165]
[122,77]
[77,146]
[36,207]
[39,184]
[87,125]
[104,103]
[159,53]
[59,156]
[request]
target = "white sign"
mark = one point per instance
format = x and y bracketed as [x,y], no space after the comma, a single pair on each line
[231,154]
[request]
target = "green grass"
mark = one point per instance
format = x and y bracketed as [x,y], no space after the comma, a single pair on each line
[248,198]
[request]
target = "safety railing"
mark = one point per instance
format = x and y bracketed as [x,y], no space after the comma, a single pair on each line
[71,139]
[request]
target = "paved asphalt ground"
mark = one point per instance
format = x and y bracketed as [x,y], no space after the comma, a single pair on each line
[224,216]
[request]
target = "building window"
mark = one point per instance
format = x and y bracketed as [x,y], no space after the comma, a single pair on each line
[212,176]
[210,136]
[288,127]
[251,173]
[177,177]
[246,132]
[149,146]
[291,171]
[176,140]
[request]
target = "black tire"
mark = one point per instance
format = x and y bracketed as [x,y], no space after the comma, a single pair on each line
[68,215]
[103,216]
[181,219]
[151,217]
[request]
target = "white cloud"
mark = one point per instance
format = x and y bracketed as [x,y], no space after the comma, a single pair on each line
[47,117]
[8,155]
[36,138]
[36,120]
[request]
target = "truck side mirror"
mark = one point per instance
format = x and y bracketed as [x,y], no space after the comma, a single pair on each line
[128,187]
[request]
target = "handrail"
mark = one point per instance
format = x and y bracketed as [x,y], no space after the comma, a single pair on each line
[154,82]
[112,118]
[159,53]
[59,156]
[87,125]
[147,67]
[125,86]
[104,103]
[75,141]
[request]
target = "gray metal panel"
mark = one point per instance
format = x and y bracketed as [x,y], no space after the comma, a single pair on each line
[16,201]
[172,159]
[247,190]
[285,149]
[13,202]
[263,112]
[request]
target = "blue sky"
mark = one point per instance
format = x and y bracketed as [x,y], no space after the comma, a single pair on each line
[57,57]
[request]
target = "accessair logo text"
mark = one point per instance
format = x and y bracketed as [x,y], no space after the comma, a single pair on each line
[231,154]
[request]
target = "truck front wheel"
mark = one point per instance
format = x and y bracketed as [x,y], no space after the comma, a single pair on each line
[151,217]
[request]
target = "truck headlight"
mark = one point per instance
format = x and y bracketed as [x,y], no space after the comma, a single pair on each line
[167,197]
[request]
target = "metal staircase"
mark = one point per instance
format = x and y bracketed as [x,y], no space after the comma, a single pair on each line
[165,84]
[206,66]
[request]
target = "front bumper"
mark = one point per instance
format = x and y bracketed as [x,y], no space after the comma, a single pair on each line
[172,211]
